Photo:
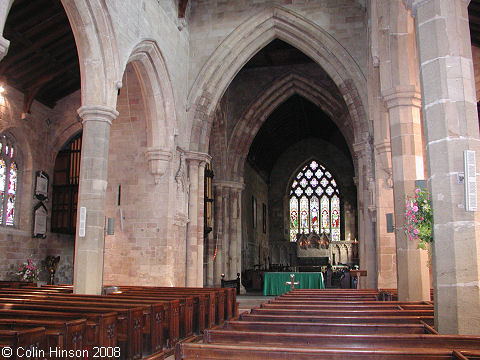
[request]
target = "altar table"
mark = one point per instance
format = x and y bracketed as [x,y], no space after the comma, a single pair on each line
[274,282]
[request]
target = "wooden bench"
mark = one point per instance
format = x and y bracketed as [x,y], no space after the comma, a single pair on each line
[23,342]
[61,334]
[372,319]
[153,323]
[231,283]
[341,312]
[329,328]
[356,341]
[161,322]
[186,351]
[106,321]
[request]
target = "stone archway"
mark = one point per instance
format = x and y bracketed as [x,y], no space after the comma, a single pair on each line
[159,101]
[96,46]
[249,38]
[257,112]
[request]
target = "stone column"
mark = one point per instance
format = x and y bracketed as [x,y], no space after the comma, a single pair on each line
[89,249]
[399,85]
[194,266]
[218,234]
[4,44]
[366,213]
[200,223]
[192,231]
[228,218]
[403,106]
[451,126]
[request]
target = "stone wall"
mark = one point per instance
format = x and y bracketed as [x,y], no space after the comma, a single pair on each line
[38,137]
[213,20]
[137,253]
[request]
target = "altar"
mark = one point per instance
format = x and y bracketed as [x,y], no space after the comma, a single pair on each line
[275,282]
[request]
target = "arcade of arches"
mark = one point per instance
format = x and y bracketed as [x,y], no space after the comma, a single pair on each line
[220,136]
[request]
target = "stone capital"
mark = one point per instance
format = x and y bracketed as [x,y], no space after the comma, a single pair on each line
[4,44]
[197,157]
[97,113]
[383,147]
[402,96]
[237,185]
[158,160]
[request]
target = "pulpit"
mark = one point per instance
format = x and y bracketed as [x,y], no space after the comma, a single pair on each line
[357,274]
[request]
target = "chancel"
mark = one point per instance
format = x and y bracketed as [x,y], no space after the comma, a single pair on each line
[234,144]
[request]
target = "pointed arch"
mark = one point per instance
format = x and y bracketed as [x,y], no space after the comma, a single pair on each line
[247,39]
[97,51]
[268,100]
[157,90]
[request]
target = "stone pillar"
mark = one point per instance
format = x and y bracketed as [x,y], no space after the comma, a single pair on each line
[89,249]
[451,126]
[399,85]
[194,266]
[228,218]
[403,106]
[200,223]
[4,44]
[379,52]
[218,234]
[366,213]
[192,231]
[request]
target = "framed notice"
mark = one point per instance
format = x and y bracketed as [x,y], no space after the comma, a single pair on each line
[40,221]
[41,185]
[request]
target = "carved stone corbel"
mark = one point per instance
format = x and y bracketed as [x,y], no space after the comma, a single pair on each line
[158,160]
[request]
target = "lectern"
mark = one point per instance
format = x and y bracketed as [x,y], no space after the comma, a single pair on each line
[357,274]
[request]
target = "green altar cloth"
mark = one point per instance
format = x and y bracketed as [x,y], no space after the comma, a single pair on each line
[274,282]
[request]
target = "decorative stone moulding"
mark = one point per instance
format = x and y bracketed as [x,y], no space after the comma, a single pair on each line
[97,113]
[4,44]
[158,160]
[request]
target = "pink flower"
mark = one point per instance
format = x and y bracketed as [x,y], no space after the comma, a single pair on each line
[409,213]
[415,208]
[415,231]
[417,191]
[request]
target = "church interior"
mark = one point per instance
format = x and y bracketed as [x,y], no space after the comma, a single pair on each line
[156,144]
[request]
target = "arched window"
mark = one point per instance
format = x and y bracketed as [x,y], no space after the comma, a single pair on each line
[314,202]
[8,180]
[66,176]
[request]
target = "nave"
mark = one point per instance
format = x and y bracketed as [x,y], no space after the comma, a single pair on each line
[136,322]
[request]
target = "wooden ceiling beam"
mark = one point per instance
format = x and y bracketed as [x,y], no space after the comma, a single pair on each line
[29,46]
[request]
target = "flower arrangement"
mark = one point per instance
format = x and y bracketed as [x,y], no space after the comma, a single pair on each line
[419,218]
[28,271]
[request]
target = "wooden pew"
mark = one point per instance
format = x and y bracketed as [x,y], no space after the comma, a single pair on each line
[61,334]
[344,341]
[154,325]
[129,318]
[108,331]
[329,328]
[100,327]
[186,351]
[209,301]
[23,342]
[341,312]
[341,319]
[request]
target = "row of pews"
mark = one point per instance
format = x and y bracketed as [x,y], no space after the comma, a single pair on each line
[131,323]
[332,324]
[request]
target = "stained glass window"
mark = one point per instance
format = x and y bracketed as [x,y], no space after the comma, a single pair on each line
[314,202]
[8,180]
